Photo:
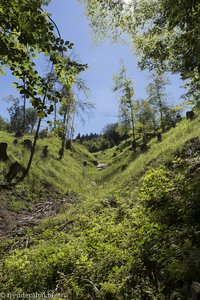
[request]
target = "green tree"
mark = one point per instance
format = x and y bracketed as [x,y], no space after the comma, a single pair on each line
[157,95]
[146,115]
[21,120]
[172,39]
[31,117]
[26,31]
[112,134]
[67,111]
[4,125]
[165,32]
[72,105]
[16,114]
[124,86]
[170,117]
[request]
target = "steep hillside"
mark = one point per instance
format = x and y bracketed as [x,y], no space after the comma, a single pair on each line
[61,173]
[132,232]
[51,182]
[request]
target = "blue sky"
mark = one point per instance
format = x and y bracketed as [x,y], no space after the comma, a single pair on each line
[103,61]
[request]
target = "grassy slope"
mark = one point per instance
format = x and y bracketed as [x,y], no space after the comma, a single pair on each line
[65,175]
[126,169]
[50,183]
[109,245]
[159,153]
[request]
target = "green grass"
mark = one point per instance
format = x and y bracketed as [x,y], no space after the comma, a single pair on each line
[107,244]
[65,175]
[158,154]
[17,205]
[124,166]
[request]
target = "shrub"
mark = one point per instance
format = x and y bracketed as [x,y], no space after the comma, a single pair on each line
[155,185]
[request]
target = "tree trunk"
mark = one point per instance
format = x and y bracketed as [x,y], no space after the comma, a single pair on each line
[195,291]
[133,129]
[55,115]
[26,171]
[24,106]
[62,150]
[3,151]
[161,114]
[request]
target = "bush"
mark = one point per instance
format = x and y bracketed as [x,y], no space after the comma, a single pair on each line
[156,184]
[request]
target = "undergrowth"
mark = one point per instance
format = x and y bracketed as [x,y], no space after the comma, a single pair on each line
[133,233]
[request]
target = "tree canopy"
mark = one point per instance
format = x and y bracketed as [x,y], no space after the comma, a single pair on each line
[27,30]
[165,32]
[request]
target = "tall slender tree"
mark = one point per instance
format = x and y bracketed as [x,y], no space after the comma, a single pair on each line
[157,95]
[67,110]
[72,105]
[123,85]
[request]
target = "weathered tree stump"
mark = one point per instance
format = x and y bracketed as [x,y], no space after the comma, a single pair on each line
[15,141]
[195,288]
[190,115]
[3,151]
[178,118]
[60,152]
[15,168]
[45,151]
[19,134]
[28,144]
[68,145]
[124,166]
[159,137]
[144,148]
[134,145]
[95,162]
